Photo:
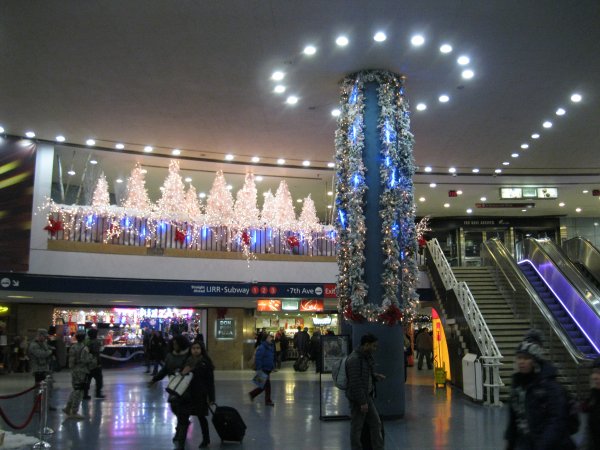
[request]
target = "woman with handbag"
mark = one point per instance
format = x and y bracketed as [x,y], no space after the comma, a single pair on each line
[199,395]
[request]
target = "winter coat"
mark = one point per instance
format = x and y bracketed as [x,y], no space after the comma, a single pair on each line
[592,409]
[424,342]
[538,411]
[95,348]
[201,391]
[265,357]
[359,370]
[40,355]
[157,346]
[173,362]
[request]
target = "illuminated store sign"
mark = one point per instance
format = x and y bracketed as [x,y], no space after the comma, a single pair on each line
[312,305]
[289,305]
[264,304]
[513,193]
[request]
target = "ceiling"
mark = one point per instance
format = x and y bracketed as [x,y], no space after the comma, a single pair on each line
[196,76]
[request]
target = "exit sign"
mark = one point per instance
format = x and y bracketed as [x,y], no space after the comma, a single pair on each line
[452,194]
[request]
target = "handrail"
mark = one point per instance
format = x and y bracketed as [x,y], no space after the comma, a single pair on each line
[490,354]
[582,251]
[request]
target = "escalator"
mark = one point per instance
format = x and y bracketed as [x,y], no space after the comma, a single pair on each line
[572,300]
[585,256]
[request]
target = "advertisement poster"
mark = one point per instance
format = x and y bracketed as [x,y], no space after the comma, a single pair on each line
[333,348]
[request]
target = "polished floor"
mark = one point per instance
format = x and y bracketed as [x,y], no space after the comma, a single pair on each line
[135,416]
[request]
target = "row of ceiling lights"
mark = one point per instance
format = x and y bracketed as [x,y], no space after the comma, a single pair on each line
[416,40]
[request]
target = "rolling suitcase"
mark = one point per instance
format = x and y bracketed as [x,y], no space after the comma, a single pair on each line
[301,364]
[229,424]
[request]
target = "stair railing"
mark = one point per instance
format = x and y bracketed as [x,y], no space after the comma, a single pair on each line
[490,354]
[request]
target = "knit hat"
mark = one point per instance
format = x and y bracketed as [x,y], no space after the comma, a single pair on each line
[42,332]
[532,345]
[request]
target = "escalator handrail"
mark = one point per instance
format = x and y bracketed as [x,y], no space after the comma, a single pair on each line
[576,247]
[494,244]
[566,268]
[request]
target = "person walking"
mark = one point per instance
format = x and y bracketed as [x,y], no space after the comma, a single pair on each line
[95,348]
[80,362]
[265,362]
[199,396]
[592,408]
[360,369]
[40,359]
[539,409]
[425,345]
[157,345]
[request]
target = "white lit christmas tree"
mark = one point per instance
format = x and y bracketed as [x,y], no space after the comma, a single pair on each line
[191,206]
[173,192]
[246,210]
[219,204]
[285,216]
[137,194]
[308,221]
[101,197]
[267,215]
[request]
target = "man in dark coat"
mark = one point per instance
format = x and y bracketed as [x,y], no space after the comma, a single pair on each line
[592,408]
[361,382]
[95,348]
[539,408]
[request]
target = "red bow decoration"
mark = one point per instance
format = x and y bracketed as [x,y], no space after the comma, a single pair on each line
[422,242]
[293,241]
[391,316]
[179,236]
[245,238]
[352,316]
[54,226]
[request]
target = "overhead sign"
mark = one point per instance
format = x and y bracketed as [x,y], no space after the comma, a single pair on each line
[265,304]
[505,205]
[515,193]
[289,305]
[312,305]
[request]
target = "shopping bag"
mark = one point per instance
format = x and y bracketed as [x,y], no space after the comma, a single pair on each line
[260,379]
[179,383]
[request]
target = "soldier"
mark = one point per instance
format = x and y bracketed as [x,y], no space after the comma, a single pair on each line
[41,356]
[95,347]
[80,362]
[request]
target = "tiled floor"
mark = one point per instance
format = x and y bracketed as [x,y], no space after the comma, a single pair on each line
[134,416]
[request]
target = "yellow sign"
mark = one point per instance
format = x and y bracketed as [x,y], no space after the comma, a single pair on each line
[4,310]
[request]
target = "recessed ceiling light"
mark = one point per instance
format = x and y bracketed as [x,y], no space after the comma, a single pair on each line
[188,180]
[229,157]
[258,178]
[446,205]
[561,204]
[306,163]
[421,199]
[342,41]
[535,136]
[445,48]
[310,50]
[432,185]
[255,159]
[30,134]
[175,152]
[452,170]
[428,169]
[119,180]
[578,210]
[279,89]
[59,138]
[547,124]
[506,163]
[328,206]
[498,171]
[585,191]
[417,40]
[265,193]
[277,75]
[330,193]
[459,192]
[281,161]
[93,162]
[469,211]
[576,98]
[144,171]
[443,98]
[202,194]
[421,107]
[380,36]
[229,187]
[119,146]
[148,149]
[90,142]
[292,100]
[71,172]
[335,112]
[514,155]
[524,146]
[595,224]
[299,200]
[483,199]
[467,74]
[331,165]
[560,112]
[475,170]
[524,210]
[463,60]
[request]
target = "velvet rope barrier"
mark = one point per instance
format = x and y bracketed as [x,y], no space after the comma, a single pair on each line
[8,397]
[35,409]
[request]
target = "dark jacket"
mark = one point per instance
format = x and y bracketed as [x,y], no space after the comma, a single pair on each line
[359,369]
[95,348]
[202,388]
[538,411]
[424,342]
[265,357]
[592,408]
[173,362]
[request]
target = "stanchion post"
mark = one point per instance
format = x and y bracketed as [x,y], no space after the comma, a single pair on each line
[47,430]
[41,392]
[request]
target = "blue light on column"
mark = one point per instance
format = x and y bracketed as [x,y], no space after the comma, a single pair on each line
[342,217]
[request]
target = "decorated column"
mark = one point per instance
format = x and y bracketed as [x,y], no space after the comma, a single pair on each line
[375,221]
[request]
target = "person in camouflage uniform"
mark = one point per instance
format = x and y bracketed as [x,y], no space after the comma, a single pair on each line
[40,357]
[80,362]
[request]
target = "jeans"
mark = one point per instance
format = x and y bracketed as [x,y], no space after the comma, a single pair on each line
[427,355]
[95,374]
[360,419]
